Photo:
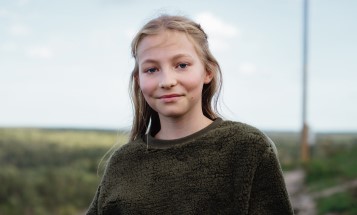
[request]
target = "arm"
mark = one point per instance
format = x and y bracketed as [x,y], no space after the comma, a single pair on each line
[268,192]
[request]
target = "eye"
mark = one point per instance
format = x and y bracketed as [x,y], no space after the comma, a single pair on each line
[182,65]
[151,70]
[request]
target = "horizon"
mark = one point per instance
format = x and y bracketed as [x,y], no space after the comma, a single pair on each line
[126,130]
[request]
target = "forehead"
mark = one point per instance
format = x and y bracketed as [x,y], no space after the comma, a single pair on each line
[165,43]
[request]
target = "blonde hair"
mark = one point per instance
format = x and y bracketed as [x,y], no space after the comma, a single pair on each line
[142,111]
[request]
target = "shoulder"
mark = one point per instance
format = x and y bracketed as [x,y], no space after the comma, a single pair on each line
[240,133]
[126,152]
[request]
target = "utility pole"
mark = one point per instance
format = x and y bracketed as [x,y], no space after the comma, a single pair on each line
[305,151]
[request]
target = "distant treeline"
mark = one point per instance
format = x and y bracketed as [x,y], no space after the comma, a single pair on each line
[56,171]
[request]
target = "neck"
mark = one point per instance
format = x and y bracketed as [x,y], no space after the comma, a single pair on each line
[174,128]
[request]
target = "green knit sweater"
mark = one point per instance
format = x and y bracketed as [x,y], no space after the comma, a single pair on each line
[225,168]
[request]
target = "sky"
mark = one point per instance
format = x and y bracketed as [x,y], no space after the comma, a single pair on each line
[67,63]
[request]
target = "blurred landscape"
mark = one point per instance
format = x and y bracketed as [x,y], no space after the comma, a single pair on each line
[67,64]
[57,171]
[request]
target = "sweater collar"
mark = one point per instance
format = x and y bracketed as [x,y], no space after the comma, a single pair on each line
[164,144]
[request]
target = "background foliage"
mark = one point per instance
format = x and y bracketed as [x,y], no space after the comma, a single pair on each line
[51,171]
[56,171]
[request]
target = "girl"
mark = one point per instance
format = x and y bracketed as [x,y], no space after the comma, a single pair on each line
[182,158]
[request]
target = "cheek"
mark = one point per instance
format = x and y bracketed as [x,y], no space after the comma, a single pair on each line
[147,86]
[194,83]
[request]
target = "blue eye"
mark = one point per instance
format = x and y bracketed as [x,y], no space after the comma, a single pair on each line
[151,70]
[182,65]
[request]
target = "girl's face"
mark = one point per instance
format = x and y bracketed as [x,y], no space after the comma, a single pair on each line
[171,74]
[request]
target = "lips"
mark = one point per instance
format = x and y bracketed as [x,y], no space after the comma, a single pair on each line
[169,96]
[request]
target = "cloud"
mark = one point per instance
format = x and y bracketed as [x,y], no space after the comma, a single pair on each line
[219,31]
[40,52]
[19,30]
[215,26]
[247,69]
[130,33]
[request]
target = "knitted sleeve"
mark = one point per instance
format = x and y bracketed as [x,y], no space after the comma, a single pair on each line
[268,191]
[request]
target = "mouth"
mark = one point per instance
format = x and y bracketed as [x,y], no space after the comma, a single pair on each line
[169,96]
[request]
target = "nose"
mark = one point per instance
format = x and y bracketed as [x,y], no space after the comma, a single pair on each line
[168,79]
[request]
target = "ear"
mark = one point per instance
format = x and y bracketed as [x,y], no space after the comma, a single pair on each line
[208,77]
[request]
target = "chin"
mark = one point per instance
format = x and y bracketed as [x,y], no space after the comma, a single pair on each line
[171,113]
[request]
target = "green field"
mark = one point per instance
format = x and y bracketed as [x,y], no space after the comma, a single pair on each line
[56,171]
[333,163]
[47,171]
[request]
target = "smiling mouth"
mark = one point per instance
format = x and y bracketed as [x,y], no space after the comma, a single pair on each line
[169,96]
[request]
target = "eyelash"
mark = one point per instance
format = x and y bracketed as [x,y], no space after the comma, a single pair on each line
[148,70]
[178,66]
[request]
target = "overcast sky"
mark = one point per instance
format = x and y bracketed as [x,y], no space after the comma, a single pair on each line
[67,63]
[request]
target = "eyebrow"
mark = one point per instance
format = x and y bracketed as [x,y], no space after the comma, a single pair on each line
[175,57]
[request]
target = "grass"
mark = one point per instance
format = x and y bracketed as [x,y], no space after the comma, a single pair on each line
[341,203]
[333,169]
[50,171]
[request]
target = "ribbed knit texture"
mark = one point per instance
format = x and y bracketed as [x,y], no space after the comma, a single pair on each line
[226,168]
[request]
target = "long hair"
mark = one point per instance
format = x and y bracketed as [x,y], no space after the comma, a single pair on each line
[143,113]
